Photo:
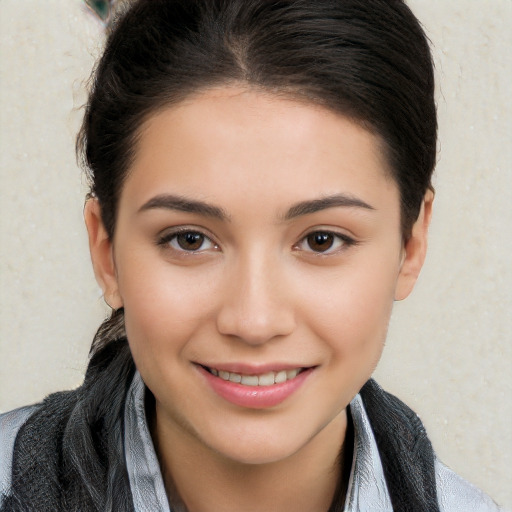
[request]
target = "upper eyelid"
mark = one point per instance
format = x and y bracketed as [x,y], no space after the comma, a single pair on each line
[173,231]
[341,236]
[342,233]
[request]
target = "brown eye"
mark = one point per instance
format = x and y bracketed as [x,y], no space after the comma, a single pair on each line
[187,241]
[190,240]
[325,243]
[320,241]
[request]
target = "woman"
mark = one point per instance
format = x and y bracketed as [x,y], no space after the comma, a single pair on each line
[260,195]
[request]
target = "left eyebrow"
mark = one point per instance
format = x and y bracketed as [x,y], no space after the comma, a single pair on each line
[316,205]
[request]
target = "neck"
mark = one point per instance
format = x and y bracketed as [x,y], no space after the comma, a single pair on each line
[202,479]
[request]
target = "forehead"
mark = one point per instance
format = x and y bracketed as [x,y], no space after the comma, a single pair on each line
[232,142]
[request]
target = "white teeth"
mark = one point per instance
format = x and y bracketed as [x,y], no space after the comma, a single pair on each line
[265,379]
[280,376]
[291,374]
[249,380]
[235,377]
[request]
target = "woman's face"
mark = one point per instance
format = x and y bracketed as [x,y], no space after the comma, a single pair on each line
[257,240]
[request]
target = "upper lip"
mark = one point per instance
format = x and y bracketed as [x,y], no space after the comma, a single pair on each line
[253,369]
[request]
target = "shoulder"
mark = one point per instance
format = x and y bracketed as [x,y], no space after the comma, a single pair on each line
[456,494]
[10,424]
[400,429]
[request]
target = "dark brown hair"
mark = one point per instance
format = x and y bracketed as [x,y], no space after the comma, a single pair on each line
[366,59]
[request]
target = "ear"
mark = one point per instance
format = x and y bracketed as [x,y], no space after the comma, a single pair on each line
[415,250]
[100,246]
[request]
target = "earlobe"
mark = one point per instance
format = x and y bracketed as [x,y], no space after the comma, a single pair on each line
[100,246]
[415,250]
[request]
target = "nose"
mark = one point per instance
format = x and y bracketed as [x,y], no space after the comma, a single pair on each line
[257,305]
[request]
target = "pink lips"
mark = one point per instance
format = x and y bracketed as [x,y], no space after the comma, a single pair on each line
[255,397]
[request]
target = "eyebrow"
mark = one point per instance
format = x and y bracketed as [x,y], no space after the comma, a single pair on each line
[316,205]
[184,204]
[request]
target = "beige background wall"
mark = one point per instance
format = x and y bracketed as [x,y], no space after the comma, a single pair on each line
[449,349]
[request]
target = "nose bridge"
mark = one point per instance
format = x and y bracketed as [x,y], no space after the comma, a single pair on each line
[256,306]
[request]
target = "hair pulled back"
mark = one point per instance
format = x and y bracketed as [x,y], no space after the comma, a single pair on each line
[366,59]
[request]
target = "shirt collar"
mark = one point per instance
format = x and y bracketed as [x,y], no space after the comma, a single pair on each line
[367,489]
[146,482]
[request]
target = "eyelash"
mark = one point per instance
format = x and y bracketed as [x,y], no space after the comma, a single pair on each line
[340,241]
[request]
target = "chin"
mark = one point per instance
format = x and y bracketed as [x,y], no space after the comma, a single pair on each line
[258,453]
[268,442]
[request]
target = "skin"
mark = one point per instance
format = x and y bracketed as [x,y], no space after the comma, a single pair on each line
[257,290]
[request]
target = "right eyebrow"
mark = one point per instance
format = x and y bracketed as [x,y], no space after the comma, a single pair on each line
[184,204]
[316,205]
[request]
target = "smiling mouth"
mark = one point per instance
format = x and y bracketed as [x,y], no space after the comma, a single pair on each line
[264,379]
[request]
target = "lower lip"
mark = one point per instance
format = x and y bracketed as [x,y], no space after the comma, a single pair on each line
[255,397]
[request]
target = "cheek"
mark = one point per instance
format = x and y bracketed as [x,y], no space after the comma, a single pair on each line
[165,306]
[352,310]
